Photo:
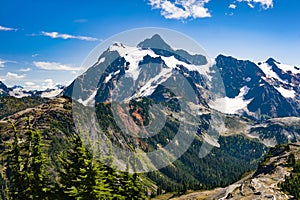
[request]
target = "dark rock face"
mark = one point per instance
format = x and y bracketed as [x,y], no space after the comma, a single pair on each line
[3,89]
[266,101]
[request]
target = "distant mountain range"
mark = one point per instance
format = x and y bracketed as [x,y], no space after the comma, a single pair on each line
[18,91]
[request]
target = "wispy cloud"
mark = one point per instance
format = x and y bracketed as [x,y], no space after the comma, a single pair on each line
[48,83]
[265,4]
[2,62]
[11,75]
[67,36]
[29,83]
[25,69]
[181,9]
[39,84]
[55,66]
[3,28]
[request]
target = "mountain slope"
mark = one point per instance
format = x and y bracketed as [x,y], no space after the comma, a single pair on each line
[224,165]
[10,105]
[54,120]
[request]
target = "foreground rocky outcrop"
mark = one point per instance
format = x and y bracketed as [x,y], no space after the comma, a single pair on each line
[264,183]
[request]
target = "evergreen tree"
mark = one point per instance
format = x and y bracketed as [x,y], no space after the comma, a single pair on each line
[112,177]
[291,184]
[291,160]
[38,176]
[3,189]
[15,167]
[131,186]
[80,176]
[25,167]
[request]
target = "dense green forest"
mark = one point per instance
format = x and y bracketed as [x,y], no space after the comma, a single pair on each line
[223,166]
[220,168]
[27,173]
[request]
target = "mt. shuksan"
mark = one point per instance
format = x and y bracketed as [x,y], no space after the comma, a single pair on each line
[140,71]
[262,90]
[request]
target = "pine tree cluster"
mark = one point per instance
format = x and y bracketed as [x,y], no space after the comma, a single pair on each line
[26,173]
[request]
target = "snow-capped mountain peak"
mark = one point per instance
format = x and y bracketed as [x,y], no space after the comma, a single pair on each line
[155,42]
[139,69]
[133,55]
[283,77]
[17,87]
[273,87]
[258,90]
[290,69]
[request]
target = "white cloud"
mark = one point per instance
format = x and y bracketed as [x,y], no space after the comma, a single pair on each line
[11,75]
[54,66]
[48,80]
[39,84]
[2,62]
[3,28]
[251,5]
[232,6]
[67,36]
[29,83]
[186,9]
[25,69]
[48,83]
[265,4]
[181,9]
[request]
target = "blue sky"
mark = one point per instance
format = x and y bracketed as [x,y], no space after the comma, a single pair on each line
[45,42]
